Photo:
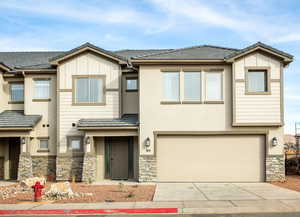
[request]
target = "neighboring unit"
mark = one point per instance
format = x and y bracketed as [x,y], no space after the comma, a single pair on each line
[196,114]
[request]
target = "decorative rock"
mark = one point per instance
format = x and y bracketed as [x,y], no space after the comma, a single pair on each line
[63,188]
[31,181]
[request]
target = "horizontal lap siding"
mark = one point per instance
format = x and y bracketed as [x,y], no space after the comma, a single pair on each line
[86,64]
[257,108]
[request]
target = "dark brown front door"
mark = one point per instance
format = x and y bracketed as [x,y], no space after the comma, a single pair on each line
[119,158]
[14,154]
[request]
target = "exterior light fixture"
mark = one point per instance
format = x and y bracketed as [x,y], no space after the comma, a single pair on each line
[147,142]
[274,141]
[23,140]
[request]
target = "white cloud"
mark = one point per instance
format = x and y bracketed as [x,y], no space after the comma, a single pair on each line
[251,26]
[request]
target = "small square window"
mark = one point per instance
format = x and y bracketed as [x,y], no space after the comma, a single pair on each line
[131,84]
[75,143]
[257,81]
[42,89]
[44,144]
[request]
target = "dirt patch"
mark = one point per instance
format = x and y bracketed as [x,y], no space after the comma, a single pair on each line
[100,193]
[292,182]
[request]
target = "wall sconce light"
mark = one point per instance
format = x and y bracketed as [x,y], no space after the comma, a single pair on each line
[23,140]
[147,144]
[274,141]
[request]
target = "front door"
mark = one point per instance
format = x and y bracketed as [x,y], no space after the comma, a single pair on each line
[14,154]
[119,158]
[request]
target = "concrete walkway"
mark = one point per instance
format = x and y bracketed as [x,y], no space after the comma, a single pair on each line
[222,192]
[183,207]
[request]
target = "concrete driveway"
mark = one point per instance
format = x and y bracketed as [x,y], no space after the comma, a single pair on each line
[222,192]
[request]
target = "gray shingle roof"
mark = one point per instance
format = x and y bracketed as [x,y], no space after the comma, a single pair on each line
[12,118]
[40,60]
[259,44]
[195,52]
[136,53]
[128,120]
[90,46]
[24,59]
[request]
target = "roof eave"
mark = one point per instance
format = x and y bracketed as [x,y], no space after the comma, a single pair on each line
[285,58]
[58,60]
[5,67]
[177,61]
[108,128]
[8,128]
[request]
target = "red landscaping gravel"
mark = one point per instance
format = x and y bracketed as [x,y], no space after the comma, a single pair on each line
[292,182]
[100,193]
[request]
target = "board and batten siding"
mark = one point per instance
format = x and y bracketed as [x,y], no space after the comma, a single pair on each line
[257,109]
[85,64]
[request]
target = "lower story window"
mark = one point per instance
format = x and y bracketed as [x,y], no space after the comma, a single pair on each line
[75,143]
[44,144]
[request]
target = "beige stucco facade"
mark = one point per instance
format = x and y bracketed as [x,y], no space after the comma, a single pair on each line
[237,123]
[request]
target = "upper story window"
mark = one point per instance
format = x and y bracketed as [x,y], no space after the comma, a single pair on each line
[171,86]
[17,92]
[257,81]
[192,86]
[42,89]
[214,86]
[131,84]
[89,90]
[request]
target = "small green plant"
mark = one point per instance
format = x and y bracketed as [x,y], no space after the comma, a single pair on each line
[73,179]
[90,180]
[130,195]
[121,186]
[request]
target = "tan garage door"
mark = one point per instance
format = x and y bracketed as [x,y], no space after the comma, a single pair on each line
[217,158]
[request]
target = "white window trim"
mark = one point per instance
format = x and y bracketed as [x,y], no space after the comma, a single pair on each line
[164,101]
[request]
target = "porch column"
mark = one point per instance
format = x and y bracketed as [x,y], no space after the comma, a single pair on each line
[89,160]
[25,161]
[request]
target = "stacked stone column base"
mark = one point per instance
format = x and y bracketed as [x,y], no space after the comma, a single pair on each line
[275,168]
[147,168]
[89,168]
[69,166]
[25,167]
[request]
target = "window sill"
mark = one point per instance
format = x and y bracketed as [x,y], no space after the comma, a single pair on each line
[257,93]
[136,90]
[170,102]
[192,102]
[89,104]
[213,102]
[16,102]
[41,100]
[43,150]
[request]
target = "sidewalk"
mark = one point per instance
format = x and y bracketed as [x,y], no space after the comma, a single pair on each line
[180,207]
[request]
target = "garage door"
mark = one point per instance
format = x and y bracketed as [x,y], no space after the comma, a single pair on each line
[217,158]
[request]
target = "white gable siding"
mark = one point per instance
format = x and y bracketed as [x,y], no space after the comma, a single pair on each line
[257,108]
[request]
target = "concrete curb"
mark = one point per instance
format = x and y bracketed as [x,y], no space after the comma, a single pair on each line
[89,211]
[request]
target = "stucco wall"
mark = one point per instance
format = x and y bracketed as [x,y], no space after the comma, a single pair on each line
[155,116]
[48,111]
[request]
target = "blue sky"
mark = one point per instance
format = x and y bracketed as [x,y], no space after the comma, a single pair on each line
[120,24]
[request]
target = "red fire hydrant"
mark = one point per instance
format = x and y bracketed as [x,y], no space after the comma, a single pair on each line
[37,188]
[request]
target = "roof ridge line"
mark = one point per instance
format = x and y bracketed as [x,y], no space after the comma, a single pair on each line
[170,51]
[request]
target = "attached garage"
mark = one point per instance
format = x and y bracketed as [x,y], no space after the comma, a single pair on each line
[210,158]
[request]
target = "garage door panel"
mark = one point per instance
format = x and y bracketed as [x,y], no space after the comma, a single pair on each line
[233,158]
